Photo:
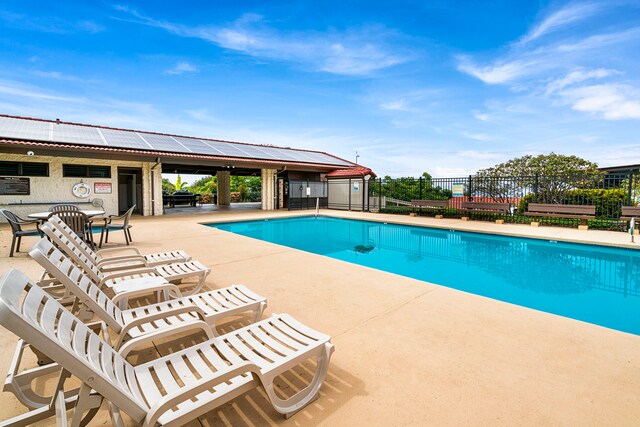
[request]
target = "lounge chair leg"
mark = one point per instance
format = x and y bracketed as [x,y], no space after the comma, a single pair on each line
[260,311]
[19,241]
[308,394]
[106,237]
[101,235]
[116,416]
[86,402]
[13,244]
[126,237]
[130,238]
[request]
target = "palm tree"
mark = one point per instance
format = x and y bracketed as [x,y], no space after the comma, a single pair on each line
[180,185]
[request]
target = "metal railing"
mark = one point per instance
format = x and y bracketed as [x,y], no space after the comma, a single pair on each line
[607,192]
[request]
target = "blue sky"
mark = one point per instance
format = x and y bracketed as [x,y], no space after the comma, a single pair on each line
[440,86]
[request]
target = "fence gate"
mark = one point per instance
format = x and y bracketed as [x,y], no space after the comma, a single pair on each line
[303,194]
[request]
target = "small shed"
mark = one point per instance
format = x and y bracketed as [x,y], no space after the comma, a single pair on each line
[348,189]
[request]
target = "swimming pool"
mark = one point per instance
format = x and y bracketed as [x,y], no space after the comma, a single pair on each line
[595,284]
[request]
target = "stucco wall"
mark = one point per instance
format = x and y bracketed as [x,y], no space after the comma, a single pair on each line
[56,189]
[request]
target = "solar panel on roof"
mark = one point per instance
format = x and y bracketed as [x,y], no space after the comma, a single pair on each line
[36,130]
[24,129]
[124,139]
[164,143]
[251,151]
[227,149]
[267,153]
[197,146]
[76,134]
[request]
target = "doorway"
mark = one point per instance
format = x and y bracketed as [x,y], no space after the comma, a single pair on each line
[129,189]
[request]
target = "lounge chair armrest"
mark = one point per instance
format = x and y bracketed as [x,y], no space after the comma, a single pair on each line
[101,252]
[188,326]
[126,273]
[205,383]
[119,259]
[145,291]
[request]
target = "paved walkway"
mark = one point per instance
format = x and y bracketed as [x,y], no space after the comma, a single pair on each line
[407,352]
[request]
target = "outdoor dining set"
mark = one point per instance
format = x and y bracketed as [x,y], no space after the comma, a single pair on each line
[83,222]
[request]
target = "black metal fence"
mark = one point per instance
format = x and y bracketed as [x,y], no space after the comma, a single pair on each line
[607,192]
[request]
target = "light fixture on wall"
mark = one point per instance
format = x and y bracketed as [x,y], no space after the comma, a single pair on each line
[30,153]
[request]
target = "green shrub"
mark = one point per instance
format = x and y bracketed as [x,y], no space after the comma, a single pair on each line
[607,202]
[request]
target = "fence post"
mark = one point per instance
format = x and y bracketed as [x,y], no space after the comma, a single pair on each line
[421,198]
[630,186]
[470,188]
[349,193]
[536,188]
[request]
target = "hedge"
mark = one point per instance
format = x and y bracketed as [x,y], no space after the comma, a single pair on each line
[607,202]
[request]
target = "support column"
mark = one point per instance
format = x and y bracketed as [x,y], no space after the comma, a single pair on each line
[224,188]
[268,189]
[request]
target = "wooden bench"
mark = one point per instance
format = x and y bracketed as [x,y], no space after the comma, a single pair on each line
[629,212]
[435,205]
[486,207]
[581,212]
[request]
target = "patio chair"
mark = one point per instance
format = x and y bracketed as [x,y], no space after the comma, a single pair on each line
[119,262]
[170,390]
[109,225]
[77,221]
[16,224]
[63,207]
[131,278]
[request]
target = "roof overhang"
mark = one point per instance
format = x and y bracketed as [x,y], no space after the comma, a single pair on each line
[212,162]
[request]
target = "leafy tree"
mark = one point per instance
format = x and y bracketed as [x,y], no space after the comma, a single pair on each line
[408,188]
[168,186]
[206,185]
[550,176]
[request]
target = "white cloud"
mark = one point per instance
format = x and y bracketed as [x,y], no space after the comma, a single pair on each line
[57,75]
[483,117]
[498,73]
[578,76]
[609,101]
[476,136]
[182,68]
[480,155]
[397,105]
[359,51]
[561,18]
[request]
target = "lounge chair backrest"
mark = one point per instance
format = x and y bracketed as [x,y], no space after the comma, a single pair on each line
[72,245]
[72,277]
[63,207]
[12,219]
[79,242]
[32,314]
[76,220]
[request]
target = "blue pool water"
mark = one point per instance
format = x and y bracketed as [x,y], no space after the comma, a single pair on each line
[595,284]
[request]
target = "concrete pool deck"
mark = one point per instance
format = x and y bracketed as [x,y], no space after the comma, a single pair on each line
[407,352]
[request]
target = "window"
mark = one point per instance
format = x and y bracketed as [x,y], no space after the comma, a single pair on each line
[86,171]
[24,169]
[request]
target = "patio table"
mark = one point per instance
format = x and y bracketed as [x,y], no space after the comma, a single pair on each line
[45,215]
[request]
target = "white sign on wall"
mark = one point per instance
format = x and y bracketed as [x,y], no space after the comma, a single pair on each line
[458,190]
[356,185]
[102,187]
[308,191]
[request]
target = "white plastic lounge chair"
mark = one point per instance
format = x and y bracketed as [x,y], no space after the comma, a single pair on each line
[132,326]
[208,307]
[108,262]
[170,390]
[130,279]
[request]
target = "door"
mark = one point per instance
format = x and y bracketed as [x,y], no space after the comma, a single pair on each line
[129,189]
